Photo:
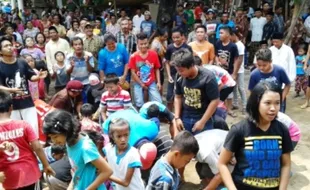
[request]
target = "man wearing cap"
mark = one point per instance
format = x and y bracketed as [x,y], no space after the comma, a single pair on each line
[70,98]
[211,25]
[92,43]
[96,90]
[148,26]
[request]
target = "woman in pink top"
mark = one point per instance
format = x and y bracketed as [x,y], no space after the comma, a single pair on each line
[36,22]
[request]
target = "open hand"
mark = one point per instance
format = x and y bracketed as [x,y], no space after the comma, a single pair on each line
[5,146]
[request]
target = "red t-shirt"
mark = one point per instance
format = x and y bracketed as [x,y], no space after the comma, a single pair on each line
[198,12]
[20,166]
[145,68]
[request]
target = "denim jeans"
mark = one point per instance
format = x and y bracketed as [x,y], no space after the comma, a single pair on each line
[189,122]
[283,106]
[153,93]
[241,89]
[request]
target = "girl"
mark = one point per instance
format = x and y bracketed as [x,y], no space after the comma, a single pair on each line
[46,34]
[30,49]
[89,168]
[60,72]
[307,70]
[301,80]
[124,159]
[33,86]
[260,143]
[40,42]
[43,84]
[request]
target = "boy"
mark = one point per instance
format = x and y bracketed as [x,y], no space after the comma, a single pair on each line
[115,98]
[267,71]
[164,174]
[53,153]
[18,142]
[87,112]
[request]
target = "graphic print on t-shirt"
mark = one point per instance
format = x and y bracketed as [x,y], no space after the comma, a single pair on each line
[271,79]
[17,82]
[144,72]
[263,154]
[117,62]
[224,58]
[12,155]
[192,97]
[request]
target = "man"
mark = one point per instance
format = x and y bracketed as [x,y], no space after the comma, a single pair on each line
[270,28]
[190,16]
[180,19]
[201,47]
[70,98]
[211,25]
[148,26]
[178,43]
[227,57]
[196,94]
[126,37]
[256,27]
[192,35]
[137,20]
[144,65]
[113,27]
[224,22]
[30,31]
[53,45]
[198,11]
[123,16]
[14,76]
[242,23]
[60,28]
[278,19]
[92,43]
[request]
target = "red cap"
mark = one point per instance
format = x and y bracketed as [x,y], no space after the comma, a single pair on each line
[148,152]
[75,85]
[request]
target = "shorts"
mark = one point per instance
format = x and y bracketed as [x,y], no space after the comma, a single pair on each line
[170,92]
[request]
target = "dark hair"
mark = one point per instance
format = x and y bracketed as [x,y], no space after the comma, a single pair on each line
[198,21]
[58,53]
[111,78]
[14,26]
[5,101]
[201,26]
[197,60]
[4,38]
[116,123]
[257,93]
[75,21]
[227,29]
[108,37]
[99,18]
[263,42]
[41,65]
[153,111]
[95,136]
[177,30]
[264,55]
[53,28]
[277,7]
[87,110]
[161,31]
[38,35]
[183,58]
[185,143]
[270,13]
[28,37]
[303,46]
[74,39]
[141,36]
[62,122]
[58,149]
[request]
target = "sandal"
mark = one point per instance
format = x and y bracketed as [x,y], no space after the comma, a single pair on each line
[304,106]
[232,114]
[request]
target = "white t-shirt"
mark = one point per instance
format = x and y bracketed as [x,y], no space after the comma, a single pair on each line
[241,49]
[257,26]
[120,164]
[136,21]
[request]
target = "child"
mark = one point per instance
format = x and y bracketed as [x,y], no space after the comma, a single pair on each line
[53,153]
[263,45]
[43,83]
[301,81]
[87,111]
[60,72]
[114,98]
[89,168]
[123,158]
[18,142]
[33,86]
[164,174]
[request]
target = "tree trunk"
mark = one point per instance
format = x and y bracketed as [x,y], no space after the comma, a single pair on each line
[166,8]
[297,12]
[231,8]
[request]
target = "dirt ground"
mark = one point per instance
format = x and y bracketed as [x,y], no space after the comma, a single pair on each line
[300,179]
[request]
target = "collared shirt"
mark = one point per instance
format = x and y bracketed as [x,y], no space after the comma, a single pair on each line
[60,29]
[129,41]
[113,29]
[269,29]
[257,26]
[92,45]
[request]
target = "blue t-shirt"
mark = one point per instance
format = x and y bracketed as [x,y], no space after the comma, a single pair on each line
[113,62]
[81,155]
[230,23]
[148,27]
[277,75]
[179,22]
[145,107]
[300,64]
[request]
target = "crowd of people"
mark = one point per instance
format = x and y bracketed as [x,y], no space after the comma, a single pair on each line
[84,100]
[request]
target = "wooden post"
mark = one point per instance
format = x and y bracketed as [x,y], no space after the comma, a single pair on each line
[115,11]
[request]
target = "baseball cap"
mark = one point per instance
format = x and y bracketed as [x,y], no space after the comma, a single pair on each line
[75,85]
[210,11]
[94,80]
[148,153]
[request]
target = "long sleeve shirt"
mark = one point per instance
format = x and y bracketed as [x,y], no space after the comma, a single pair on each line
[257,26]
[269,29]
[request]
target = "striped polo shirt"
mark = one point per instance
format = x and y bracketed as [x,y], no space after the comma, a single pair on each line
[116,102]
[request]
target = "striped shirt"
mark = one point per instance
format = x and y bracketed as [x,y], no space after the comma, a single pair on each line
[163,176]
[163,142]
[130,42]
[116,102]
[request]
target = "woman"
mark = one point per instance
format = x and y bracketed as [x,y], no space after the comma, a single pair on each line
[40,42]
[74,30]
[45,22]
[46,35]
[159,45]
[261,145]
[30,49]
[113,59]
[36,22]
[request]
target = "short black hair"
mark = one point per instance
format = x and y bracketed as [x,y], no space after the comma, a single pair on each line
[153,111]
[177,30]
[201,26]
[278,7]
[6,101]
[264,55]
[87,110]
[270,13]
[111,78]
[74,39]
[41,65]
[4,38]
[63,54]
[36,37]
[141,36]
[183,58]
[257,93]
[303,46]
[198,21]
[99,19]
[227,29]
[263,42]
[58,149]
[185,143]
[53,28]
[197,60]
[109,37]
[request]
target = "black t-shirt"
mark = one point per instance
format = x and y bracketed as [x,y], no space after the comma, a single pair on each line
[62,169]
[258,154]
[16,76]
[197,93]
[170,50]
[227,55]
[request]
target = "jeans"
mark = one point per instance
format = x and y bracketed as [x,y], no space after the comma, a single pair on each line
[283,106]
[189,122]
[241,89]
[153,93]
